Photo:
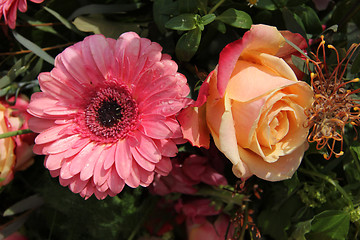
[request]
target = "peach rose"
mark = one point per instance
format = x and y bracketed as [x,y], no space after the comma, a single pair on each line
[15,152]
[253,106]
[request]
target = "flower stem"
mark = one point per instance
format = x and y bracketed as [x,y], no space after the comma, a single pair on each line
[216,6]
[15,133]
[243,229]
[331,181]
[225,196]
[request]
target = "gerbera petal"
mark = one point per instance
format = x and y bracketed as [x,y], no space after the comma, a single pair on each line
[38,125]
[134,178]
[141,160]
[55,88]
[108,109]
[51,134]
[54,161]
[146,177]
[102,54]
[110,156]
[39,102]
[164,166]
[60,74]
[167,147]
[80,160]
[74,64]
[88,169]
[153,126]
[115,183]
[100,195]
[65,170]
[60,145]
[165,107]
[174,126]
[100,174]
[123,159]
[147,148]
[77,185]
[104,187]
[77,147]
[64,182]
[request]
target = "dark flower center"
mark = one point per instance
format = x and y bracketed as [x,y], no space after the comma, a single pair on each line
[110,114]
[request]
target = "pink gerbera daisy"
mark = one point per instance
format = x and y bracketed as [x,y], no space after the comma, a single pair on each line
[9,8]
[106,114]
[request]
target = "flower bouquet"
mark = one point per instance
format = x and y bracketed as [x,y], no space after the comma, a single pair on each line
[179,119]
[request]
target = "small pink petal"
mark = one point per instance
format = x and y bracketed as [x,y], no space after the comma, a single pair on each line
[141,160]
[164,166]
[146,177]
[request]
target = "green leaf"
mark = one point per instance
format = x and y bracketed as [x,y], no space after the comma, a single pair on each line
[187,6]
[292,22]
[236,18]
[355,68]
[202,6]
[162,9]
[220,26]
[188,44]
[97,24]
[300,230]
[266,4]
[64,21]
[183,22]
[207,19]
[333,224]
[275,220]
[301,64]
[13,226]
[18,68]
[309,18]
[296,48]
[34,72]
[104,8]
[292,184]
[28,203]
[34,48]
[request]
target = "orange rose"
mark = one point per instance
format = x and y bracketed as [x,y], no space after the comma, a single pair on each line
[253,106]
[15,152]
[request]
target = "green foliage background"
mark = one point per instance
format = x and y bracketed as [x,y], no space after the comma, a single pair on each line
[321,201]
